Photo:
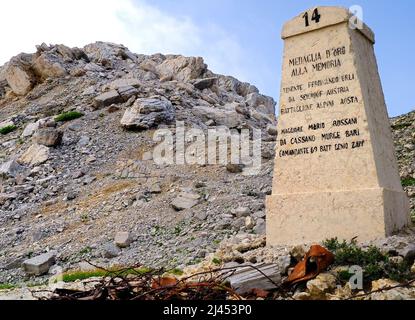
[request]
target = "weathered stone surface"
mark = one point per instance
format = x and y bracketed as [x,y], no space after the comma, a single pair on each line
[336,173]
[202,84]
[48,65]
[148,113]
[49,137]
[111,251]
[40,265]
[10,169]
[107,99]
[182,68]
[221,117]
[320,286]
[185,200]
[30,129]
[19,74]
[35,155]
[247,279]
[122,239]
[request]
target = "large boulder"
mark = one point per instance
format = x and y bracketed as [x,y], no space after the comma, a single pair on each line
[40,265]
[35,155]
[49,137]
[261,103]
[147,113]
[19,74]
[105,53]
[182,68]
[221,117]
[49,65]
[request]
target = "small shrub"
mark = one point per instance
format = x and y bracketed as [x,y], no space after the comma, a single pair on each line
[217,261]
[408,182]
[68,116]
[376,265]
[7,129]
[176,272]
[400,126]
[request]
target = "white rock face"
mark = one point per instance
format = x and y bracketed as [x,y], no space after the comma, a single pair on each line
[35,155]
[148,113]
[182,68]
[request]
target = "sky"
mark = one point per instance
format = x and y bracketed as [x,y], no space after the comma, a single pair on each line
[235,37]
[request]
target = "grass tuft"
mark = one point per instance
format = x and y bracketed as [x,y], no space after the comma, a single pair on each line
[7,129]
[68,116]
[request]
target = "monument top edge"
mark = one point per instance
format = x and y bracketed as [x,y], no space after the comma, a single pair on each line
[328,16]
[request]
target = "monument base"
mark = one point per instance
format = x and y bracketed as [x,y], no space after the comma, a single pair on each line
[307,218]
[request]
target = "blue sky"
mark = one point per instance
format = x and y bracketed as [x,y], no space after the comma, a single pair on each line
[236,37]
[256,27]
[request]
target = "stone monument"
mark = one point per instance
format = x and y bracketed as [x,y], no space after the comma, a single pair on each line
[336,173]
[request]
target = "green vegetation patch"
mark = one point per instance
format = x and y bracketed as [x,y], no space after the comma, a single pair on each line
[400,126]
[408,182]
[84,275]
[376,265]
[7,129]
[7,286]
[68,116]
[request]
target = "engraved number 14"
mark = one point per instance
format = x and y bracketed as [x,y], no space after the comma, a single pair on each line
[315,17]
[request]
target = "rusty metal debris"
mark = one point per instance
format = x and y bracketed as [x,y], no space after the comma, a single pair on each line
[317,260]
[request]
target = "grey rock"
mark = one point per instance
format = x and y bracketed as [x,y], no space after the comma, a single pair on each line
[241,212]
[10,169]
[148,113]
[123,239]
[40,265]
[235,168]
[111,251]
[185,201]
[260,227]
[247,279]
[202,84]
[48,137]
[107,99]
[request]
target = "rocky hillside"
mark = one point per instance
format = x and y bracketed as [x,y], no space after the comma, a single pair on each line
[76,165]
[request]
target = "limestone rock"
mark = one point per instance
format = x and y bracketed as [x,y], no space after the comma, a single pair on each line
[247,279]
[30,129]
[182,68]
[147,113]
[221,117]
[48,65]
[40,265]
[185,200]
[48,137]
[107,99]
[320,286]
[111,251]
[241,212]
[206,83]
[10,169]
[393,294]
[122,239]
[19,75]
[35,155]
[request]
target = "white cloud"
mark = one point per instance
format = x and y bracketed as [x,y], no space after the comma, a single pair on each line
[138,25]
